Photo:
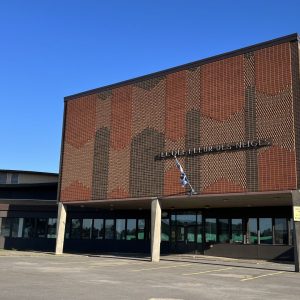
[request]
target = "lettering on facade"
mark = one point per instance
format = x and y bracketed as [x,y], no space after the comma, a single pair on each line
[242,145]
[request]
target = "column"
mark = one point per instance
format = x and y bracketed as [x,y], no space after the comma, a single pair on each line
[296,203]
[60,228]
[155,230]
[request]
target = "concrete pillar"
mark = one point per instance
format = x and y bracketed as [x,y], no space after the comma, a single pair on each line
[296,225]
[155,230]
[60,228]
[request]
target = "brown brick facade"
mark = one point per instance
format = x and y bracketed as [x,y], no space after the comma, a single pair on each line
[112,136]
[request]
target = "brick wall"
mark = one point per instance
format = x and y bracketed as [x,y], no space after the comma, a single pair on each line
[112,137]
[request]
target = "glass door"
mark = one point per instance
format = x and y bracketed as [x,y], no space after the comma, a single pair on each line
[186,239]
[184,226]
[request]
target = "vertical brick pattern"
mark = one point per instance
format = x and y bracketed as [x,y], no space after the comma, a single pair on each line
[192,164]
[175,105]
[146,175]
[295,65]
[192,138]
[273,72]
[222,88]
[277,169]
[250,121]
[77,167]
[80,114]
[112,137]
[100,161]
[175,127]
[274,112]
[121,117]
[148,105]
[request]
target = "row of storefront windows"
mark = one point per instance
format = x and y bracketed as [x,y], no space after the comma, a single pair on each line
[190,227]
[106,229]
[175,228]
[28,227]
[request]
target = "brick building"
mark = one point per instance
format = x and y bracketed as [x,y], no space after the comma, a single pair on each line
[232,120]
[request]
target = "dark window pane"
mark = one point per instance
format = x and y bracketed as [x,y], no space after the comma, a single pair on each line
[41,228]
[109,229]
[265,228]
[173,219]
[86,232]
[199,234]
[75,228]
[3,178]
[252,231]
[199,218]
[199,228]
[141,229]
[98,229]
[223,230]
[180,234]
[5,227]
[131,229]
[210,230]
[237,230]
[165,229]
[67,229]
[186,219]
[173,234]
[17,227]
[51,228]
[281,231]
[120,229]
[15,178]
[190,234]
[29,228]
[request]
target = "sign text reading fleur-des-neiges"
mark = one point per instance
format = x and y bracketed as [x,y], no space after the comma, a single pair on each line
[250,144]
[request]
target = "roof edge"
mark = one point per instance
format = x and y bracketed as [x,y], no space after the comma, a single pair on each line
[28,172]
[288,38]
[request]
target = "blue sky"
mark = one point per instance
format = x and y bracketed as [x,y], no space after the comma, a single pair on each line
[54,48]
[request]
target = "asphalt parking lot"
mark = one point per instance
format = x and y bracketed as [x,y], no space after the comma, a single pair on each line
[29,275]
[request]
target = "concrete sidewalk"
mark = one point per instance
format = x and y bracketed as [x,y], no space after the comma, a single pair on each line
[204,259]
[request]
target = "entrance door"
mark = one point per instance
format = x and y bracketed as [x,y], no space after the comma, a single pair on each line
[186,239]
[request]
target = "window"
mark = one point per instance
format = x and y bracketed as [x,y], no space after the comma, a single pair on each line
[131,229]
[252,231]
[190,233]
[17,227]
[51,228]
[265,229]
[280,231]
[173,219]
[165,230]
[86,232]
[141,229]
[120,229]
[186,219]
[67,229]
[14,178]
[109,229]
[29,228]
[41,228]
[98,229]
[199,228]
[237,231]
[180,234]
[223,230]
[75,228]
[210,230]
[3,178]
[5,227]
